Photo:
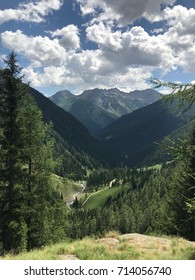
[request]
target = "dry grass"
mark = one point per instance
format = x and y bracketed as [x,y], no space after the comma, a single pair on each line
[116,247]
[151,247]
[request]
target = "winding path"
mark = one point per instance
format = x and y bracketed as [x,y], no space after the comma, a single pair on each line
[83,185]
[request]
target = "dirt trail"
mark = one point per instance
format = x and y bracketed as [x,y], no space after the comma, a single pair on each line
[83,186]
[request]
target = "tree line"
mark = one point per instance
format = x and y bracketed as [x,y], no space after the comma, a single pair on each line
[154,201]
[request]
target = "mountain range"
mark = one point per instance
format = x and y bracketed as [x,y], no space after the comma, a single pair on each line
[97,108]
[77,147]
[128,140]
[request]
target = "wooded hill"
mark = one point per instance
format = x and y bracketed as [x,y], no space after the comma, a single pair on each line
[135,135]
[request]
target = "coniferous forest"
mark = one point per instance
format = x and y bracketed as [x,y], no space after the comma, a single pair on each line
[158,199]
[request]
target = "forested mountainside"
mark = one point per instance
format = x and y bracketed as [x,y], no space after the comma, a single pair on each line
[150,200]
[97,108]
[135,135]
[73,138]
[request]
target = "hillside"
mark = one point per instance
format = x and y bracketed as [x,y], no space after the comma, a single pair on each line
[115,247]
[161,150]
[91,115]
[72,137]
[134,135]
[97,108]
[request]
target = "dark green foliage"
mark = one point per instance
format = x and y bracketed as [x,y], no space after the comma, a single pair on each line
[13,228]
[32,213]
[75,204]
[166,149]
[133,210]
[179,212]
[180,198]
[73,164]
[99,177]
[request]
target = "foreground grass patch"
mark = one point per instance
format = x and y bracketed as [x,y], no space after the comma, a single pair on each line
[115,247]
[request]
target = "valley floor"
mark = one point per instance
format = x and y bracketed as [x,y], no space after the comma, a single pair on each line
[115,247]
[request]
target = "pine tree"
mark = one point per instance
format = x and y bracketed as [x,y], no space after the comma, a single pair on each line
[32,212]
[37,161]
[13,228]
[181,196]
[180,208]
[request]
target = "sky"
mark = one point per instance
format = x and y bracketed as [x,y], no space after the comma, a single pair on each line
[83,44]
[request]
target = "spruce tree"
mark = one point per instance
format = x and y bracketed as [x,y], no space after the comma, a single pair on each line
[181,196]
[180,205]
[13,228]
[37,160]
[32,212]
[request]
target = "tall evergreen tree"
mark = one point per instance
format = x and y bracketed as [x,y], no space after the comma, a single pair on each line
[32,212]
[12,226]
[37,160]
[180,197]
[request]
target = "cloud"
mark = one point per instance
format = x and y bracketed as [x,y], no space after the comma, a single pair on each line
[84,78]
[104,36]
[50,75]
[187,59]
[181,23]
[132,47]
[121,57]
[41,51]
[124,11]
[33,11]
[181,18]
[51,64]
[69,37]
[180,35]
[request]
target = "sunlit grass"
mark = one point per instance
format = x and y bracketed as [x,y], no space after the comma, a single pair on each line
[66,187]
[115,247]
[99,198]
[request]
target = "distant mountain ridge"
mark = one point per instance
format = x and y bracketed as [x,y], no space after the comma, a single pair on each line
[128,140]
[97,108]
[134,135]
[79,149]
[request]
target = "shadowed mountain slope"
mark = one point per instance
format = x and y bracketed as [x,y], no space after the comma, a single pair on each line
[134,135]
[97,108]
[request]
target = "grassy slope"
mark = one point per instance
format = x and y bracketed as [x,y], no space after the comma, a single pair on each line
[66,187]
[99,198]
[115,247]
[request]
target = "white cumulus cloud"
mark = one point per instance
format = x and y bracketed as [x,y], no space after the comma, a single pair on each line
[180,36]
[132,47]
[119,57]
[33,11]
[41,51]
[69,36]
[125,11]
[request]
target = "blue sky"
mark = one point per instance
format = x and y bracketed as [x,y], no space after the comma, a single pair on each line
[83,44]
